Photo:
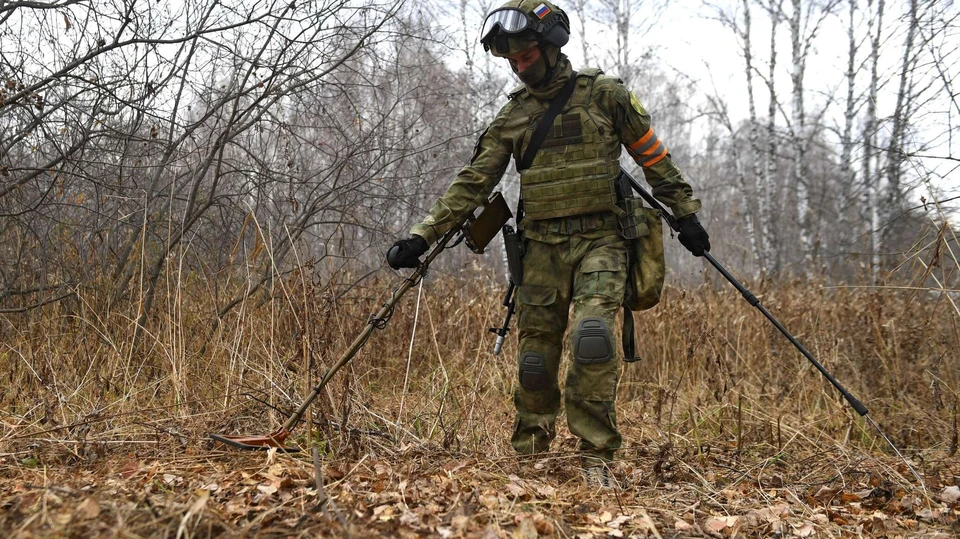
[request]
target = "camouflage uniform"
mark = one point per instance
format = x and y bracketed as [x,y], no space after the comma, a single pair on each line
[573,253]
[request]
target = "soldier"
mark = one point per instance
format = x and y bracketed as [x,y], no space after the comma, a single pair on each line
[573,252]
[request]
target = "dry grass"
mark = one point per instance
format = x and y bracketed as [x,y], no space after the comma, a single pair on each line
[728,430]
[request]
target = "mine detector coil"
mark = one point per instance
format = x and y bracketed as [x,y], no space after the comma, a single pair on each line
[476,230]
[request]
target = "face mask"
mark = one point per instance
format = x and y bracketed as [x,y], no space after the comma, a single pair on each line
[535,74]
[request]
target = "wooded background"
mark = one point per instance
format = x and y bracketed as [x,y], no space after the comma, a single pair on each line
[154,150]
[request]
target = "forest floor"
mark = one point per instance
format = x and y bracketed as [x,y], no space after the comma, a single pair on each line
[182,486]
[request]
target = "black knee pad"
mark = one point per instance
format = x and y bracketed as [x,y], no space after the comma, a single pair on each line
[592,341]
[533,372]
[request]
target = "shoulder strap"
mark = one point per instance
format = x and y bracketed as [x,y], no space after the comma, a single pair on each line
[546,122]
[591,72]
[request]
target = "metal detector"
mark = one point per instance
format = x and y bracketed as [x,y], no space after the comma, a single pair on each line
[755,302]
[477,230]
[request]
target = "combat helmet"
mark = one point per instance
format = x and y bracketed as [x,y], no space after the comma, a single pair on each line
[519,24]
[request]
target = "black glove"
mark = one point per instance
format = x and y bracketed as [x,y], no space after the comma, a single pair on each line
[692,235]
[406,253]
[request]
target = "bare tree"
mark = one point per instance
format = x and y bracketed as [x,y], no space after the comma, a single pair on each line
[152,143]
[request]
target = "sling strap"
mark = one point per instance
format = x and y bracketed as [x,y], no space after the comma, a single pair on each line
[547,122]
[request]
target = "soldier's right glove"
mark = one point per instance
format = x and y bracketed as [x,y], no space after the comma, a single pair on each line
[406,253]
[692,235]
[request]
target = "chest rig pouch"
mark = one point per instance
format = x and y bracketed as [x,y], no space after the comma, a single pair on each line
[576,169]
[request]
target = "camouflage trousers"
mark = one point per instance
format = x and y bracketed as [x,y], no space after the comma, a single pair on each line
[589,271]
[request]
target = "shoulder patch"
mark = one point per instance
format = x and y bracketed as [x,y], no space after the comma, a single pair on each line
[635,103]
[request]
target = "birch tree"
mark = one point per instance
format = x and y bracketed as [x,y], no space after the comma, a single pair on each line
[871,211]
[751,193]
[848,176]
[804,25]
[773,246]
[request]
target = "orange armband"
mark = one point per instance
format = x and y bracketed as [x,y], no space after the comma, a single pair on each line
[648,150]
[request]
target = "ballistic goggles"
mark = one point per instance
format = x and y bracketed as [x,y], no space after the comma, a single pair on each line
[509,20]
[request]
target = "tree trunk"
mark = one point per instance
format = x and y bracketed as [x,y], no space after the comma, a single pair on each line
[757,241]
[871,216]
[895,155]
[772,244]
[798,135]
[847,174]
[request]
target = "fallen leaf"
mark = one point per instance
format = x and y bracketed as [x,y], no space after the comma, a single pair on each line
[682,525]
[88,508]
[848,497]
[384,512]
[875,526]
[544,526]
[820,518]
[774,513]
[267,489]
[804,531]
[409,518]
[730,495]
[129,468]
[950,494]
[516,490]
[546,491]
[526,529]
[293,522]
[619,521]
[170,479]
[718,524]
[460,522]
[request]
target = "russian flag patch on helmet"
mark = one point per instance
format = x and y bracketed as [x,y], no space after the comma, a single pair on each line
[541,11]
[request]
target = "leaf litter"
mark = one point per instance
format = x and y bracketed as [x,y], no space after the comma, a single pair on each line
[429,492]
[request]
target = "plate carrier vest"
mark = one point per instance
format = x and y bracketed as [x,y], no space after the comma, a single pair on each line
[575,172]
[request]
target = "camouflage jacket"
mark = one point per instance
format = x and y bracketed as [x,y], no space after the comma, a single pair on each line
[509,132]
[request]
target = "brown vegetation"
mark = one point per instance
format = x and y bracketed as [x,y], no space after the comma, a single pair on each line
[728,429]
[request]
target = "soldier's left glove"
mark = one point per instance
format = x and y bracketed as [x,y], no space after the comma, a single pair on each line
[692,235]
[406,253]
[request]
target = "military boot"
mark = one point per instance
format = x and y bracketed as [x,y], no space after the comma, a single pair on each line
[598,476]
